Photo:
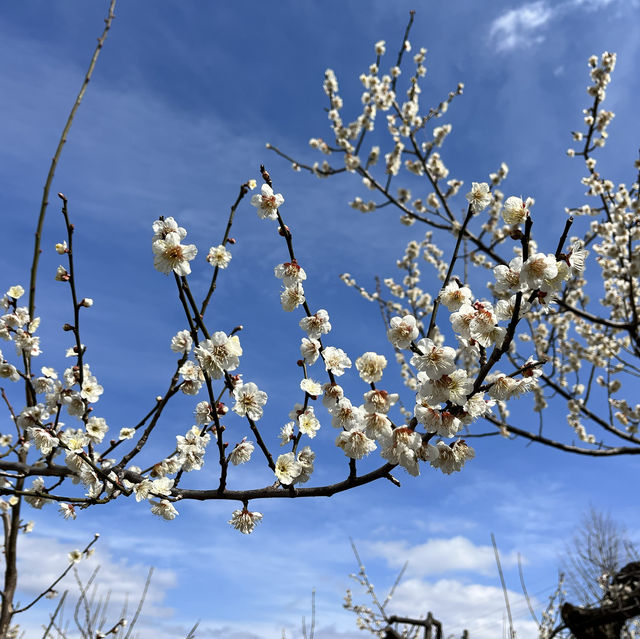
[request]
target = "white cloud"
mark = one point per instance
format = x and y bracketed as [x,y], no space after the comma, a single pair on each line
[521,26]
[438,556]
[43,559]
[525,25]
[592,4]
[477,608]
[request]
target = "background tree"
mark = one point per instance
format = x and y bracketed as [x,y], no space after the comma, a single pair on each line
[600,548]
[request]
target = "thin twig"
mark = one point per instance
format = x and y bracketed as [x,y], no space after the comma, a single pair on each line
[56,156]
[504,587]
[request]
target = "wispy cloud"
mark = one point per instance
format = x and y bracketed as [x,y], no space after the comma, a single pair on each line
[520,26]
[527,24]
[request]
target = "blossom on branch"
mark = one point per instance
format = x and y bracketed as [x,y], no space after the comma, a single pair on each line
[249,401]
[516,211]
[245,521]
[169,255]
[336,360]
[403,331]
[290,273]
[219,256]
[370,367]
[241,452]
[267,203]
[479,196]
[218,354]
[164,508]
[292,297]
[316,325]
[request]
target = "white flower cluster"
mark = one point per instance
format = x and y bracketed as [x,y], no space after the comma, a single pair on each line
[168,252]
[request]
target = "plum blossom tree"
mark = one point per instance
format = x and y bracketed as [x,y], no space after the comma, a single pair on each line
[558,337]
[537,321]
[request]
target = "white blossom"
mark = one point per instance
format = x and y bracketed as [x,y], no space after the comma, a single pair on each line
[249,401]
[16,292]
[345,415]
[170,255]
[292,297]
[164,508]
[537,268]
[68,511]
[245,521]
[332,394]
[219,256]
[376,425]
[162,228]
[267,203]
[311,387]
[241,452]
[91,390]
[290,273]
[181,342]
[435,361]
[287,468]
[370,367]
[218,354]
[336,360]
[403,331]
[305,458]
[516,211]
[310,350]
[452,458]
[379,401]
[355,443]
[191,449]
[202,413]
[286,433]
[316,325]
[479,197]
[308,422]
[44,440]
[96,429]
[401,448]
[454,296]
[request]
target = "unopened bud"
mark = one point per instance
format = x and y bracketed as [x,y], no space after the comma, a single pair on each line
[67,327]
[231,240]
[87,302]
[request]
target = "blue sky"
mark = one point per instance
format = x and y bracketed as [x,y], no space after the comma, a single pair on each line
[176,117]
